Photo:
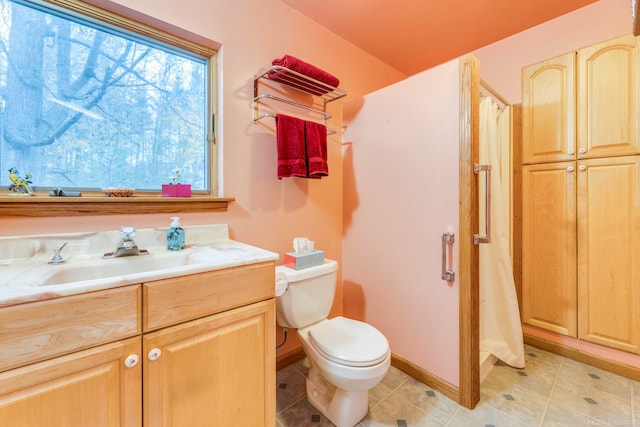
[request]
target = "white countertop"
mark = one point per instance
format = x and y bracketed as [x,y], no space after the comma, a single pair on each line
[26,275]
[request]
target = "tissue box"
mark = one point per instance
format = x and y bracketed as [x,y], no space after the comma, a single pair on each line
[301,261]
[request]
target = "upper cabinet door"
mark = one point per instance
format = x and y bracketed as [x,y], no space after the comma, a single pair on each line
[548,110]
[608,93]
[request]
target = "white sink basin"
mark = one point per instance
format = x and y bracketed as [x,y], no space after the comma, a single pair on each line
[158,264]
[114,267]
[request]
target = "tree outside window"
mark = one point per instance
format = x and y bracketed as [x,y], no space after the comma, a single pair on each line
[86,106]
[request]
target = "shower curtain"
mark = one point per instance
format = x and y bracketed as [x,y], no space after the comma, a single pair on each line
[500,327]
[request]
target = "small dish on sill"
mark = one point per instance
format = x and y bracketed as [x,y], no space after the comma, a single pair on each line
[118,192]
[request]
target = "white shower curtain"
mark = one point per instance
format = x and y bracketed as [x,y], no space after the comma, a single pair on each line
[500,327]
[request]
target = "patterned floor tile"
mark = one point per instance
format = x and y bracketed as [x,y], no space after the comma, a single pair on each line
[550,391]
[435,405]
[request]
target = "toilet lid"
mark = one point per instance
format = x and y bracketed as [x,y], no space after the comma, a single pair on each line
[349,342]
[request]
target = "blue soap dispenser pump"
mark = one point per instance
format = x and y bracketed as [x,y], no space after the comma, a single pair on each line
[175,235]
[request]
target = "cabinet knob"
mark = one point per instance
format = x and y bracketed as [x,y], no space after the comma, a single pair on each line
[131,360]
[582,167]
[570,169]
[583,150]
[154,354]
[571,152]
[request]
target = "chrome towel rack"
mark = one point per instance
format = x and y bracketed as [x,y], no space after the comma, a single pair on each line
[299,82]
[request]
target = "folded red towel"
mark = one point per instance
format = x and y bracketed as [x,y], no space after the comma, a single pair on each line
[302,148]
[292,155]
[316,137]
[298,65]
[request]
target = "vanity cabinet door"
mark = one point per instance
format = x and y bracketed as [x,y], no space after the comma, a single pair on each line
[99,387]
[214,371]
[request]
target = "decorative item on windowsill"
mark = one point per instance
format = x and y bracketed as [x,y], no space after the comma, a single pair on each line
[118,192]
[19,186]
[175,189]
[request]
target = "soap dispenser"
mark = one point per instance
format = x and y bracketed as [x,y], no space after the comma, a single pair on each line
[175,235]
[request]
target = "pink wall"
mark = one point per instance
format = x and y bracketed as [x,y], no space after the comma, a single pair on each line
[400,195]
[501,62]
[267,212]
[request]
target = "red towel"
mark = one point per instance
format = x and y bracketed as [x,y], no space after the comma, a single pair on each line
[316,137]
[292,160]
[302,148]
[308,70]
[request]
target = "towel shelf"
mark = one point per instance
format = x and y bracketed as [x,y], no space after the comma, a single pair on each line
[295,104]
[300,83]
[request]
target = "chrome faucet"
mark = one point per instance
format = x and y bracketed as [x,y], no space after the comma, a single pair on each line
[57,256]
[127,246]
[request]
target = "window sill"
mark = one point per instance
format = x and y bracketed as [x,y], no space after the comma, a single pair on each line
[45,206]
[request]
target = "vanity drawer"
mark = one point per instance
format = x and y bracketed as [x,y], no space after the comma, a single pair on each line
[41,330]
[172,301]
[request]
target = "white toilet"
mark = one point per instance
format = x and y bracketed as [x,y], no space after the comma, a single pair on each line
[348,357]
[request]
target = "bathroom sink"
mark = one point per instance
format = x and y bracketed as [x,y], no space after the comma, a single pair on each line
[85,270]
[26,274]
[117,267]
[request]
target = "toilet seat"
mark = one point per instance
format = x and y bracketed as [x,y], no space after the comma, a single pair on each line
[349,342]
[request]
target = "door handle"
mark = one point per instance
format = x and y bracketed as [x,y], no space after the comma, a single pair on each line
[448,238]
[487,217]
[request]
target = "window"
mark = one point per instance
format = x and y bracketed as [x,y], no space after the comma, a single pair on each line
[86,104]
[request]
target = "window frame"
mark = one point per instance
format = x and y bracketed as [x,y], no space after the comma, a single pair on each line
[96,203]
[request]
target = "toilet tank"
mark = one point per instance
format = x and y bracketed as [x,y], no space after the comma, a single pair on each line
[309,295]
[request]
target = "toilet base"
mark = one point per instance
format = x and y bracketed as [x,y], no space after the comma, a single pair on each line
[342,407]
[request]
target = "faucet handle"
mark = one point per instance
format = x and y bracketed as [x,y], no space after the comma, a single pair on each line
[127,232]
[57,256]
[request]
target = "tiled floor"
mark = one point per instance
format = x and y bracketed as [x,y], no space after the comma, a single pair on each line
[550,391]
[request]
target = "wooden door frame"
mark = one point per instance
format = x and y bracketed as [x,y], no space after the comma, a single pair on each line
[469,272]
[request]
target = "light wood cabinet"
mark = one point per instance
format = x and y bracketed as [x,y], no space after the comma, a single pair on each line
[583,104]
[45,329]
[215,371]
[609,252]
[93,387]
[204,342]
[581,249]
[580,222]
[548,110]
[549,247]
[608,96]
[63,361]
[211,359]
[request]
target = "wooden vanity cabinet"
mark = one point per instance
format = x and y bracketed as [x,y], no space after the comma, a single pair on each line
[195,350]
[91,384]
[209,349]
[88,388]
[214,371]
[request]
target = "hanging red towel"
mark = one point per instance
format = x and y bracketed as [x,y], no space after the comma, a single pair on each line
[292,156]
[316,137]
[308,70]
